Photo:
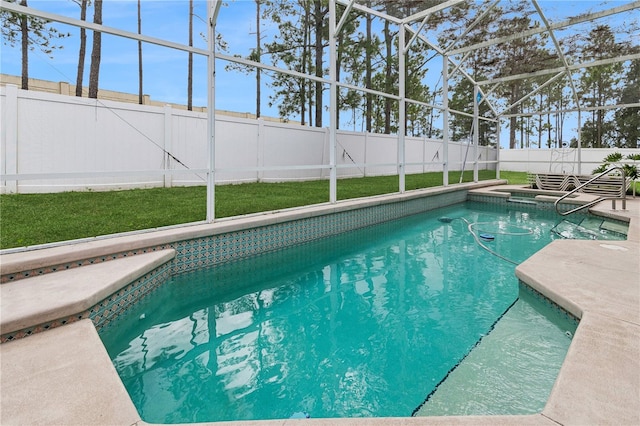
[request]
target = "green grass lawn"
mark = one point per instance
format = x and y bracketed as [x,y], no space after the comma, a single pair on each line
[30,219]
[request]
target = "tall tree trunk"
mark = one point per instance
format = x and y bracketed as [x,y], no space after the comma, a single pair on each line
[258,58]
[512,132]
[540,123]
[513,121]
[594,119]
[387,79]
[318,56]
[522,144]
[388,83]
[24,29]
[549,131]
[307,49]
[560,124]
[600,115]
[305,66]
[549,121]
[83,49]
[190,65]
[140,90]
[368,72]
[94,72]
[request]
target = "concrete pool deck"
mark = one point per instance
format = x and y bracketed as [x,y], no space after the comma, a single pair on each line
[64,375]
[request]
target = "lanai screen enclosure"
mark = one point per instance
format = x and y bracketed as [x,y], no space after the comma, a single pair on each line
[501,54]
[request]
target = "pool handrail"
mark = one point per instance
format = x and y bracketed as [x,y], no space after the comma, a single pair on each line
[622,195]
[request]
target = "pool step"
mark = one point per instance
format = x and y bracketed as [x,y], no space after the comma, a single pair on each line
[591,228]
[574,231]
[615,227]
[42,299]
[522,200]
[511,371]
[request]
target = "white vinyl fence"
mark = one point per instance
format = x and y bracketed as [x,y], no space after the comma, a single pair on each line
[564,160]
[53,143]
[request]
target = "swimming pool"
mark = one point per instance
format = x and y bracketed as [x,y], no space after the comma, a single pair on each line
[368,323]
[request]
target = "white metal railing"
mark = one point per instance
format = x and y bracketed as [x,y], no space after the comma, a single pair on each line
[622,194]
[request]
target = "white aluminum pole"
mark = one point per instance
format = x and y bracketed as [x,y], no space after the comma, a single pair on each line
[440,6]
[445,120]
[476,131]
[333,102]
[344,17]
[498,148]
[402,110]
[574,67]
[214,7]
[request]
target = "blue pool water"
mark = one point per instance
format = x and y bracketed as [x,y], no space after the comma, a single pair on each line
[365,324]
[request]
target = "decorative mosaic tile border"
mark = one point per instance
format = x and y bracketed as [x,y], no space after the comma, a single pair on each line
[539,205]
[217,249]
[42,327]
[106,311]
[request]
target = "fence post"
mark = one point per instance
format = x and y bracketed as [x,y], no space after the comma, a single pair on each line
[260,150]
[168,133]
[10,148]
[366,143]
[424,153]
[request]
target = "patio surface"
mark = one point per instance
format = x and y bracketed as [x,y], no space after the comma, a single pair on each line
[64,375]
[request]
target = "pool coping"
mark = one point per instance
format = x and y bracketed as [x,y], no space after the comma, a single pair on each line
[605,349]
[45,298]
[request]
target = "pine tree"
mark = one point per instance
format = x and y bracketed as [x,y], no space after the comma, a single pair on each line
[94,69]
[190,61]
[291,49]
[599,85]
[140,86]
[32,32]
[84,4]
[628,119]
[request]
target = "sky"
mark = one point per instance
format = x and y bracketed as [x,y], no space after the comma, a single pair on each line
[165,69]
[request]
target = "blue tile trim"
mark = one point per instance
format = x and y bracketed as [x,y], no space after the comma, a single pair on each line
[106,311]
[217,249]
